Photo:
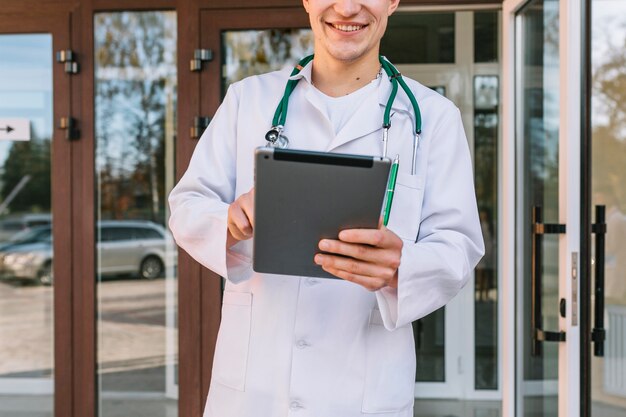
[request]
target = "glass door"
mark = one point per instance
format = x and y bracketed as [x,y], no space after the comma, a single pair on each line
[538,191]
[462,65]
[544,87]
[608,142]
[26,254]
[135,80]
[34,156]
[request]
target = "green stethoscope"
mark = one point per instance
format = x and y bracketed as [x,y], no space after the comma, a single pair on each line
[275,138]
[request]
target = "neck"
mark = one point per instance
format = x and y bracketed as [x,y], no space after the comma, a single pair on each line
[338,78]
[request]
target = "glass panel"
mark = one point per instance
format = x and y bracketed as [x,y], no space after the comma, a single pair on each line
[538,137]
[609,188]
[135,103]
[486,36]
[437,355]
[419,38]
[254,52]
[486,284]
[26,295]
[430,344]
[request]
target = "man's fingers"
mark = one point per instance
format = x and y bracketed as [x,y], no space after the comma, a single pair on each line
[382,238]
[370,283]
[353,250]
[247,205]
[363,252]
[238,223]
[241,216]
[355,267]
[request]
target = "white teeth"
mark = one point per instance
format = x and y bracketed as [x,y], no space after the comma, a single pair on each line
[347,28]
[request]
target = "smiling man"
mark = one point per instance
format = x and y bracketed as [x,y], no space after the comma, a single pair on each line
[313,347]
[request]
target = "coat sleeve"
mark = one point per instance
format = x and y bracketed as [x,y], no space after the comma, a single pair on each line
[199,202]
[449,245]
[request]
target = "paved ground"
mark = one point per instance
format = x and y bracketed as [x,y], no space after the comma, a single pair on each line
[132,334]
[133,356]
[25,330]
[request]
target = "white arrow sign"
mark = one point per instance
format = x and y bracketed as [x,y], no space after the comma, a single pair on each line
[14,129]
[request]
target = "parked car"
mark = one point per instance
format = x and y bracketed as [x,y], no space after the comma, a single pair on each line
[135,247]
[11,226]
[29,257]
[30,235]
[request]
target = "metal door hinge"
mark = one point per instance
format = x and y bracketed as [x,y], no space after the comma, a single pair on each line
[199,125]
[68,57]
[69,125]
[200,56]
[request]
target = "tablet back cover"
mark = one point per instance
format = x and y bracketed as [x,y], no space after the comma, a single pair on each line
[302,197]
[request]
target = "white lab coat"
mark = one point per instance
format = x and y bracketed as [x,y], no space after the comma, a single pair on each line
[320,347]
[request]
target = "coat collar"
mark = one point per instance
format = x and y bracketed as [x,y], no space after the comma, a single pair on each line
[369,116]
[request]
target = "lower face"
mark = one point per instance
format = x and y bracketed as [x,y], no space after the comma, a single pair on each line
[349,38]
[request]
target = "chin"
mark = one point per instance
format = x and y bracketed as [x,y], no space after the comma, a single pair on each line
[347,55]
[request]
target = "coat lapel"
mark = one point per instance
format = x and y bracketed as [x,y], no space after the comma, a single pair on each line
[368,118]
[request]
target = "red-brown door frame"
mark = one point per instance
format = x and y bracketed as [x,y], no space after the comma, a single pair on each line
[58,26]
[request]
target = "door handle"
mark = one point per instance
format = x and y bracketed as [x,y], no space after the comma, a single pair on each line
[539,335]
[598,334]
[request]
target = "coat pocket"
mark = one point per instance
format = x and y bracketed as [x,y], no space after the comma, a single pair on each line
[390,368]
[233,340]
[406,207]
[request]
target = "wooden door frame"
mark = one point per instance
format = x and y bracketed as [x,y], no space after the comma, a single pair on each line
[57,24]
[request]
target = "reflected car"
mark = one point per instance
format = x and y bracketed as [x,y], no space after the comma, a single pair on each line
[134,247]
[12,226]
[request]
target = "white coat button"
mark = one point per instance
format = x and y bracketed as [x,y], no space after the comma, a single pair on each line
[301,344]
[311,282]
[294,405]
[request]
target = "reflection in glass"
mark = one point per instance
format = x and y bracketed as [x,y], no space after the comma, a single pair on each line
[486,283]
[253,52]
[419,38]
[26,295]
[135,102]
[538,135]
[609,188]
[486,36]
[430,344]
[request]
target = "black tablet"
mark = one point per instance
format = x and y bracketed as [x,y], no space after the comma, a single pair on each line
[302,197]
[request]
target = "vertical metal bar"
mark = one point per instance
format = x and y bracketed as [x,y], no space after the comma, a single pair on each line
[585,213]
[536,264]
[598,331]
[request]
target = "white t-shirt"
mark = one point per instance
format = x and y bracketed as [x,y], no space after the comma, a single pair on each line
[339,110]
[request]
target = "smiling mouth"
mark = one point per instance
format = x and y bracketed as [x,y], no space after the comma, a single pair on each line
[347,28]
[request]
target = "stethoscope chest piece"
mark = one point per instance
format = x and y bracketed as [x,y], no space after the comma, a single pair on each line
[276,139]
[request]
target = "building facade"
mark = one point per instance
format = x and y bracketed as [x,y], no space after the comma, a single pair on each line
[102,102]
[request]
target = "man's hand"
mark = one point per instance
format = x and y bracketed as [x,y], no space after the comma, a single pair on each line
[368,257]
[241,218]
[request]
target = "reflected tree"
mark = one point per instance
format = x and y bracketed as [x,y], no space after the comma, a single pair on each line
[253,52]
[609,132]
[135,88]
[32,159]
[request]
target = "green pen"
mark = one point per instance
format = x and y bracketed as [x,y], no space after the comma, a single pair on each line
[391,185]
